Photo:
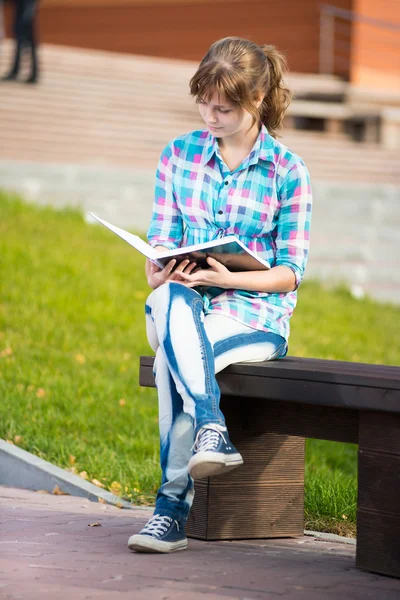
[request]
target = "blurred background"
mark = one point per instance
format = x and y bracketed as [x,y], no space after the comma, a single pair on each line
[113,90]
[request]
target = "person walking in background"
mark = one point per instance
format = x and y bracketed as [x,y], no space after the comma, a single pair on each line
[25,39]
[2,31]
[233,177]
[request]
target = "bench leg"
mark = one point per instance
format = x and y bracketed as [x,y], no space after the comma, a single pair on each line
[262,499]
[333,126]
[378,515]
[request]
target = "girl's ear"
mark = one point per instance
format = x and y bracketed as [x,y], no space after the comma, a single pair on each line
[259,101]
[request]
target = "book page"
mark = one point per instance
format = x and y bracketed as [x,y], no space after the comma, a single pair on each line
[132,239]
[228,250]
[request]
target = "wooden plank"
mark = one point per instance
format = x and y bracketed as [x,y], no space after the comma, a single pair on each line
[237,381]
[381,433]
[305,420]
[378,516]
[382,493]
[311,392]
[315,369]
[378,543]
[317,110]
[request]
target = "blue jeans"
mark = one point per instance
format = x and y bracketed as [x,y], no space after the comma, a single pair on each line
[191,348]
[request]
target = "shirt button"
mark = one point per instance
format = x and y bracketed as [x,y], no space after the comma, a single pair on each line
[226,182]
[220,212]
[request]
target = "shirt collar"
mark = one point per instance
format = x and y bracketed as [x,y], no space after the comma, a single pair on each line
[210,147]
[263,149]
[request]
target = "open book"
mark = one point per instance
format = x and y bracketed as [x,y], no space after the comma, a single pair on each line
[228,250]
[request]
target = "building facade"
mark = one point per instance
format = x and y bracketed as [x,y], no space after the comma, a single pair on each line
[358,40]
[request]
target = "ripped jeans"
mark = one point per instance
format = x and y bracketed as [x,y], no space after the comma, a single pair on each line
[191,348]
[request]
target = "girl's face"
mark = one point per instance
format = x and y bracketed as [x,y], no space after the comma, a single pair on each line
[223,118]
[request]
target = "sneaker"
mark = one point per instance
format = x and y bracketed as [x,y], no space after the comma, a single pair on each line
[160,534]
[214,453]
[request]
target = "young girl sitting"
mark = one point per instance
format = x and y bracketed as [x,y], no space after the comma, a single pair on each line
[233,177]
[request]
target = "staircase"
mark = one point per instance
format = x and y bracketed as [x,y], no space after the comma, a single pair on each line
[105,109]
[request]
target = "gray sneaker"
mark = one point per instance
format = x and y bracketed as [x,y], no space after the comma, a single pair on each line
[160,534]
[214,453]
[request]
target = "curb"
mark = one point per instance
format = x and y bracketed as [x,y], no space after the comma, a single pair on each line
[21,469]
[330,537]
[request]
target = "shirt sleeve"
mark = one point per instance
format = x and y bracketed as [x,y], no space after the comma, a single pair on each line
[294,220]
[166,226]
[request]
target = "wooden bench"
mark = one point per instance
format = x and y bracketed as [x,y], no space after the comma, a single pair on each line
[362,123]
[270,408]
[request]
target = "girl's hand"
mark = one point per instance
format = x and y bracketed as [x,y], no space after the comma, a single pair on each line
[217,275]
[157,276]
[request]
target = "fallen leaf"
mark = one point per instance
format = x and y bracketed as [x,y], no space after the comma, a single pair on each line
[10,442]
[80,359]
[6,352]
[71,459]
[83,474]
[344,517]
[102,501]
[42,492]
[73,470]
[40,393]
[94,524]
[17,439]
[58,492]
[118,505]
[116,488]
[98,483]
[122,402]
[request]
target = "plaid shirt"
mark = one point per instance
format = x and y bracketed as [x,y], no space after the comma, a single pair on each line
[265,202]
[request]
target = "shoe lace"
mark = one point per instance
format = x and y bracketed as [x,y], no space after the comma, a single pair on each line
[158,524]
[207,439]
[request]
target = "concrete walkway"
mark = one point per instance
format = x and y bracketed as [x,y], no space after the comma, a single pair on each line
[66,547]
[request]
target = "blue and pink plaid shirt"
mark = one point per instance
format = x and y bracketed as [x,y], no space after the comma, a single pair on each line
[266,202]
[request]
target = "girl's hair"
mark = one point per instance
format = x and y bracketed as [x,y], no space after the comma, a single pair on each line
[245,73]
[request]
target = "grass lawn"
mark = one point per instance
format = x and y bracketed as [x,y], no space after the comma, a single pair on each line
[71,332]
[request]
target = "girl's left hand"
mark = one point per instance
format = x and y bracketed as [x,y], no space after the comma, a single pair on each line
[217,275]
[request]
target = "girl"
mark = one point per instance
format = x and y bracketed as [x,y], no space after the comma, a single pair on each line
[233,177]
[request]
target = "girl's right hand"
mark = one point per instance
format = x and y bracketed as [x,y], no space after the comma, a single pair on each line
[157,276]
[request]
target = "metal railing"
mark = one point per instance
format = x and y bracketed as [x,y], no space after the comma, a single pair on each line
[336,26]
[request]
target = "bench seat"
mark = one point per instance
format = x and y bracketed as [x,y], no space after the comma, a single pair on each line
[270,409]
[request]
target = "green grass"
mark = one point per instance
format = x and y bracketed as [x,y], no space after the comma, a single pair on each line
[331,487]
[71,332]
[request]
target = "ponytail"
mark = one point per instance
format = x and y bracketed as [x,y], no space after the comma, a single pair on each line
[278,97]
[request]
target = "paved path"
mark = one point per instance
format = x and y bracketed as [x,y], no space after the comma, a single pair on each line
[49,550]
